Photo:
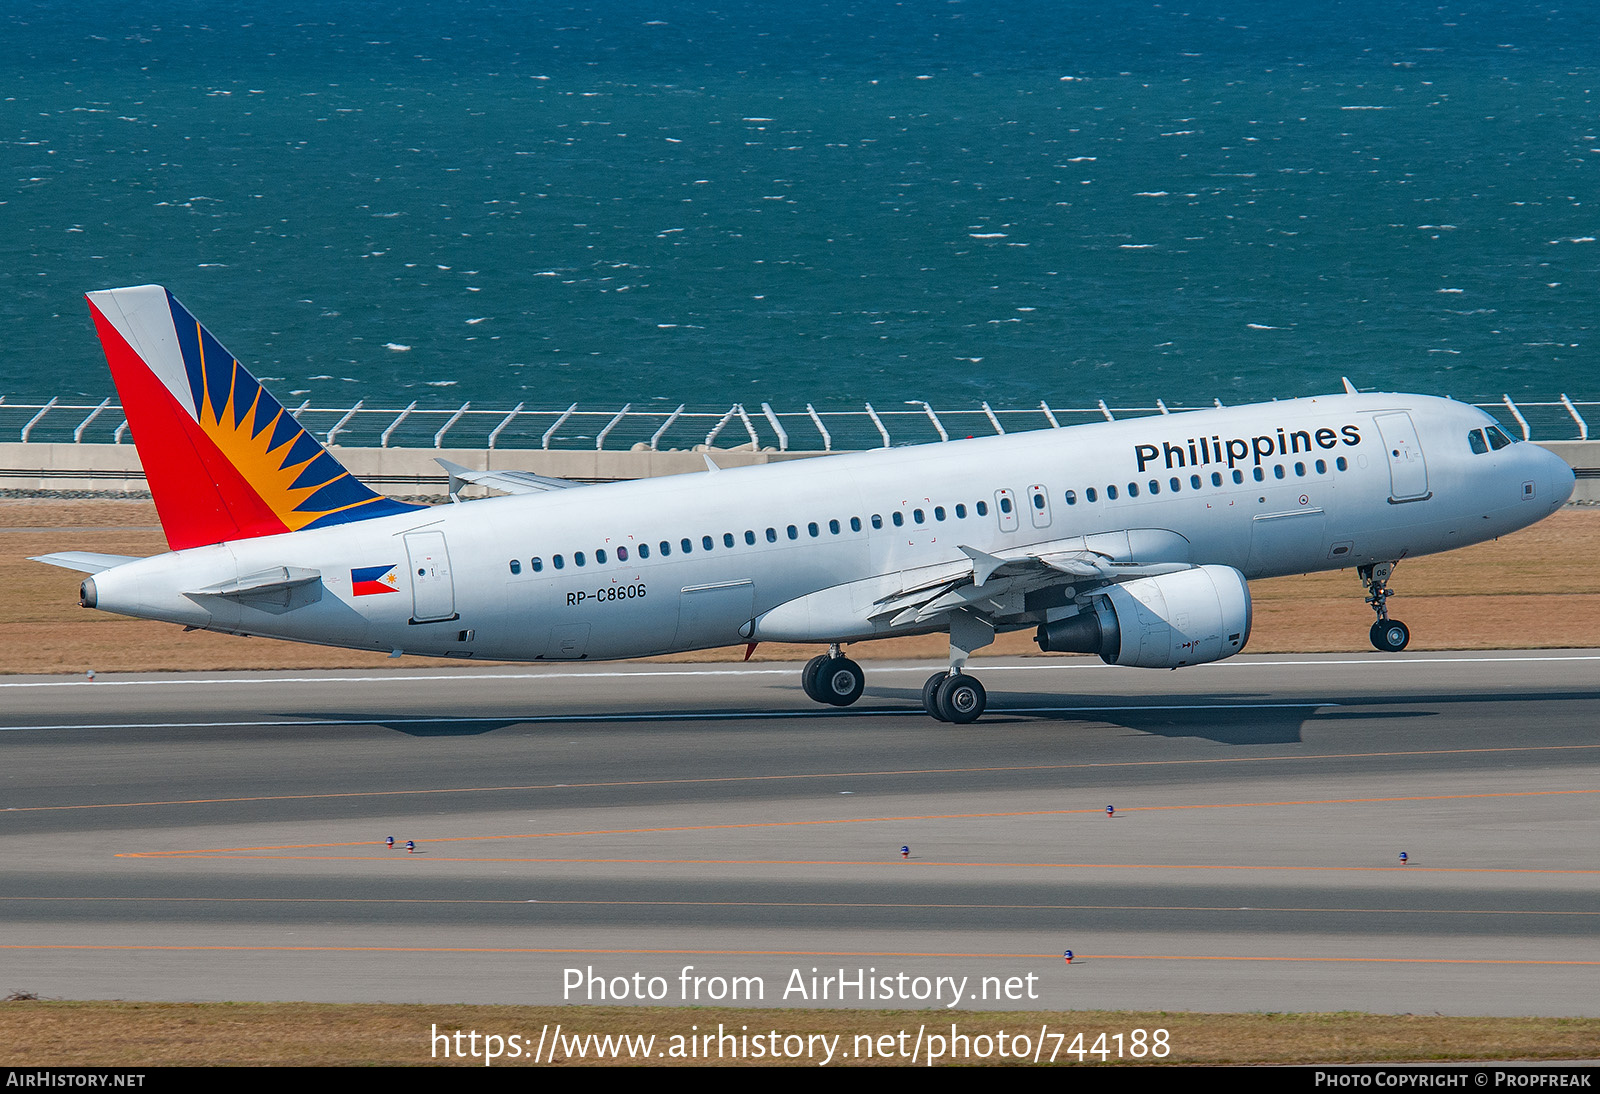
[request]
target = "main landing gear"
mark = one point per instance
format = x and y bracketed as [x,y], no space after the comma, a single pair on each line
[1388,635]
[954,697]
[833,678]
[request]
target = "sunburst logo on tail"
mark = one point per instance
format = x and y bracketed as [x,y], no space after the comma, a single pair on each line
[244,467]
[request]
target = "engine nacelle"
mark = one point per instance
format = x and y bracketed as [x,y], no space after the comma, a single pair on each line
[1184,618]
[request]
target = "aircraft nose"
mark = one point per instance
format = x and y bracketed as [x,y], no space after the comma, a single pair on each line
[1561,478]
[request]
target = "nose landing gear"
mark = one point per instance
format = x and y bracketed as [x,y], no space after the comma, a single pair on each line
[1388,635]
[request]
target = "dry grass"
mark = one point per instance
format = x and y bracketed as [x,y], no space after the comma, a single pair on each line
[1536,589]
[120,1034]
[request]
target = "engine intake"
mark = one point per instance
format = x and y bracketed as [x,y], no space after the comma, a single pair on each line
[1186,618]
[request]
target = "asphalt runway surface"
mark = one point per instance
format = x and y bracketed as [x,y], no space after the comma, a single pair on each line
[221,836]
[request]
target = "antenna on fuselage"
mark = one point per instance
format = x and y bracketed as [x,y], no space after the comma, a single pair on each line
[1349,388]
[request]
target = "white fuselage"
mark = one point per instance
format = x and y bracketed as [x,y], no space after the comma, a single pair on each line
[1269,489]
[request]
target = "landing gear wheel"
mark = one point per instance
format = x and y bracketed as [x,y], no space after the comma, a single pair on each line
[839,681]
[930,695]
[1390,636]
[808,678]
[961,699]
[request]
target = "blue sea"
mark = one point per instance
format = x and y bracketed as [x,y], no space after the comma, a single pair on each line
[825,202]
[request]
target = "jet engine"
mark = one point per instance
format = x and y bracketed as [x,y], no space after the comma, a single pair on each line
[1185,618]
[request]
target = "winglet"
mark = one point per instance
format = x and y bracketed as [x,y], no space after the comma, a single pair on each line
[223,458]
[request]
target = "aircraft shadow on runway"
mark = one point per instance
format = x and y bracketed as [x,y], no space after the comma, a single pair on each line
[1226,719]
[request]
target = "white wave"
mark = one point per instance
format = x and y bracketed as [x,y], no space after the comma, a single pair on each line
[987,235]
[396,346]
[475,322]
[1151,194]
[442,383]
[1261,326]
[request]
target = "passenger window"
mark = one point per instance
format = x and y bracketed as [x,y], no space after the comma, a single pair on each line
[749,537]
[982,508]
[772,535]
[644,550]
[961,512]
[577,558]
[938,512]
[1072,497]
[1194,482]
[1216,478]
[855,524]
[916,515]
[559,562]
[1322,467]
[686,545]
[1300,470]
[898,517]
[833,527]
[1005,505]
[622,554]
[705,543]
[1341,463]
[666,548]
[877,521]
[1038,501]
[538,564]
[516,566]
[1133,490]
[794,533]
[1155,487]
[1090,494]
[727,539]
[1176,484]
[600,557]
[1260,475]
[1277,470]
[1476,442]
[1111,493]
[813,529]
[1238,477]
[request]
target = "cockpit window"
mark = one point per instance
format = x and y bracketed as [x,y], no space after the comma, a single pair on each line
[1479,445]
[1497,439]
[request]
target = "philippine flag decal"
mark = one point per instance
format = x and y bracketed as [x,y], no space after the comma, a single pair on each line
[371,580]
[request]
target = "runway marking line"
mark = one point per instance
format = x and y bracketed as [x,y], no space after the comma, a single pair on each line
[1078,958]
[516,902]
[383,677]
[1413,868]
[347,794]
[234,851]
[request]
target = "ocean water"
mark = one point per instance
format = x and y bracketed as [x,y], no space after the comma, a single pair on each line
[831,203]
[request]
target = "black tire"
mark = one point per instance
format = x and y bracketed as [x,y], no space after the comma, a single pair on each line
[808,679]
[840,681]
[962,699]
[1391,637]
[930,695]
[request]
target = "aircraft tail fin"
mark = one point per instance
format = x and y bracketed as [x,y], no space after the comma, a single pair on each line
[224,459]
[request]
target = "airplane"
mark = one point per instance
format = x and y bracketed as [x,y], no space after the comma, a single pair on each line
[1134,539]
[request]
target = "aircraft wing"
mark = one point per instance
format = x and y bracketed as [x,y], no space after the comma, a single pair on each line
[511,482]
[84,561]
[1005,589]
[999,586]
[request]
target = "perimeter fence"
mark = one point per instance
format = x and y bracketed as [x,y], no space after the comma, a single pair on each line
[658,428]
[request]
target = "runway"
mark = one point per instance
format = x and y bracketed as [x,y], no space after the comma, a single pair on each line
[221,836]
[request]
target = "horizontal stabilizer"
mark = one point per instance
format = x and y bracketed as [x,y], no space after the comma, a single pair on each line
[511,482]
[278,579]
[86,562]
